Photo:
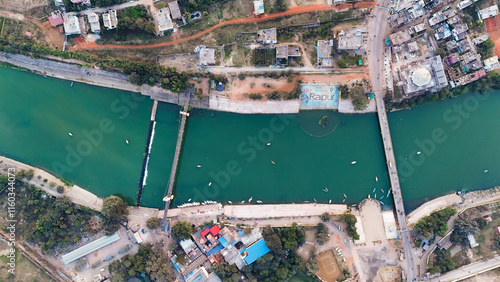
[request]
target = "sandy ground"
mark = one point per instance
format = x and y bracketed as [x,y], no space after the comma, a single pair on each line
[271,211]
[252,84]
[492,26]
[336,79]
[182,62]
[371,256]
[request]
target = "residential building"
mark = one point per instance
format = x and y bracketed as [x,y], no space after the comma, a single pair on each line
[491,63]
[464,4]
[442,32]
[267,36]
[283,52]
[488,12]
[450,45]
[206,56]
[163,20]
[72,25]
[352,39]
[109,19]
[480,39]
[468,78]
[401,36]
[325,59]
[175,11]
[453,20]
[463,46]
[459,31]
[84,2]
[58,3]
[441,16]
[56,19]
[258,7]
[94,22]
[453,58]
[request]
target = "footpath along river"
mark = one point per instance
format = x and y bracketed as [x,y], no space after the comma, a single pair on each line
[457,139]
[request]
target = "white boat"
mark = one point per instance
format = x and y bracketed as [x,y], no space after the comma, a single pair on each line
[70,134]
[268,144]
[382,203]
[375,196]
[210,184]
[126,141]
[249,200]
[381,197]
[368,196]
[72,83]
[189,200]
[382,190]
[306,201]
[243,201]
[353,162]
[315,200]
[259,202]
[330,201]
[345,196]
[376,179]
[418,153]
[198,166]
[374,190]
[325,189]
[230,202]
[343,201]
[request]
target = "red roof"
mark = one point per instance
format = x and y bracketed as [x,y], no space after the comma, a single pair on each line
[215,230]
[205,232]
[55,19]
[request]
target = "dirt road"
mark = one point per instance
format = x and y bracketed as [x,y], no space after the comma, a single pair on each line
[251,19]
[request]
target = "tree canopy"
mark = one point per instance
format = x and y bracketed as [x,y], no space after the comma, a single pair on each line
[435,223]
[182,230]
[153,223]
[350,220]
[114,210]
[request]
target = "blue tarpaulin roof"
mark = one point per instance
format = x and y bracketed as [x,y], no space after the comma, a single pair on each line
[215,249]
[223,242]
[256,250]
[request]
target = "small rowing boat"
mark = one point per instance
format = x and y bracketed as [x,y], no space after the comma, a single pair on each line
[345,196]
[272,162]
[230,202]
[259,202]
[374,190]
[70,134]
[376,179]
[418,153]
[353,162]
[325,189]
[382,190]
[198,166]
[126,141]
[343,201]
[330,201]
[268,144]
[209,183]
[189,200]
[249,200]
[315,200]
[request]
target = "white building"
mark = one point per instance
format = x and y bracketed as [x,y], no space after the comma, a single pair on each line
[491,63]
[258,7]
[472,241]
[163,19]
[488,12]
[109,19]
[94,22]
[71,25]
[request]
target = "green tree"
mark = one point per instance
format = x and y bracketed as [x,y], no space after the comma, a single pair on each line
[322,234]
[350,220]
[312,267]
[114,207]
[153,223]
[325,217]
[182,230]
[4,180]
[360,103]
[135,78]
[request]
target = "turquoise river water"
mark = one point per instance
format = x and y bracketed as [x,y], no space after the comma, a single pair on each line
[226,156]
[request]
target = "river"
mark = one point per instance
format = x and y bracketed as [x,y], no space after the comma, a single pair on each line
[226,156]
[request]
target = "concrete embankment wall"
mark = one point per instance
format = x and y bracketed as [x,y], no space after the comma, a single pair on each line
[120,81]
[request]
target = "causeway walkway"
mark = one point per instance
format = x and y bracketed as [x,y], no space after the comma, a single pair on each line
[178,147]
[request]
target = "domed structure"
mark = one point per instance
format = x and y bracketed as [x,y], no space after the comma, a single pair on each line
[421,77]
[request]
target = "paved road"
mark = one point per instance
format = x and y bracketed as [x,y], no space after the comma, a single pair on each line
[225,70]
[469,270]
[378,30]
[114,7]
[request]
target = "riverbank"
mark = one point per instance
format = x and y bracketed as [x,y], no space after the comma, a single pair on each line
[461,203]
[120,81]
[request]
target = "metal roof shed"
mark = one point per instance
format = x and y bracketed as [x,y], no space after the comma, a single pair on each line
[91,247]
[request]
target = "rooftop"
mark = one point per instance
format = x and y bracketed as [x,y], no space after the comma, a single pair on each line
[352,39]
[282,52]
[163,19]
[90,247]
[480,39]
[109,19]
[258,7]
[256,251]
[488,12]
[94,22]
[55,18]
[463,46]
[464,4]
[427,75]
[468,78]
[401,36]
[267,36]
[491,63]
[175,10]
[72,25]
[206,56]
[442,32]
